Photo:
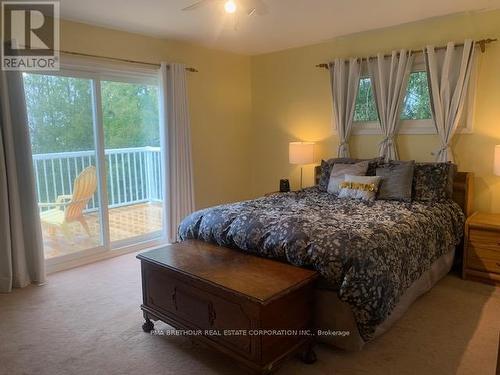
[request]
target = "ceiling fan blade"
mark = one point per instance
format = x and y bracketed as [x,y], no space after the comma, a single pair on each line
[195,5]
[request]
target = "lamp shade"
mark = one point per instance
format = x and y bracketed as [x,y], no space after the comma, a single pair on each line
[301,153]
[496,161]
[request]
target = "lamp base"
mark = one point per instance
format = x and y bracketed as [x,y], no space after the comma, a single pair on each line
[301,176]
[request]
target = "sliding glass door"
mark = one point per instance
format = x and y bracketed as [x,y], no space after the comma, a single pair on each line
[96,156]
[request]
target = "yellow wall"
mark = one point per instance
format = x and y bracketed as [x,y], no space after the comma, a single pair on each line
[291,101]
[220,103]
[245,110]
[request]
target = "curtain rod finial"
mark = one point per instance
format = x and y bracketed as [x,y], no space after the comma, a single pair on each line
[325,66]
[482,45]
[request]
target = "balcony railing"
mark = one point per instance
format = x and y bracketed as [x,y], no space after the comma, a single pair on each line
[133,175]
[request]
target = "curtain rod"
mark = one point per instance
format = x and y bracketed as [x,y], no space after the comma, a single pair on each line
[482,45]
[193,70]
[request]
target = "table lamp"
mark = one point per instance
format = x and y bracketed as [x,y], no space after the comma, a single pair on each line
[301,153]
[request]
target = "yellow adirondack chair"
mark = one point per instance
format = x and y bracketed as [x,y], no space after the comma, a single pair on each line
[69,208]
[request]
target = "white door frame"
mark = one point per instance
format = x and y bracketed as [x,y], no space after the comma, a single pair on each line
[107,248]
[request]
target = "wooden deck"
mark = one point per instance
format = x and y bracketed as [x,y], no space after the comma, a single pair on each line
[124,222]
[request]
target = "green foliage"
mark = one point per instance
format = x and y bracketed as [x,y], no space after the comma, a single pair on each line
[130,115]
[60,114]
[416,105]
[417,102]
[366,110]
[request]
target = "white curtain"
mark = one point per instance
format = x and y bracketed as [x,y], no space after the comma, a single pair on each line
[449,73]
[344,81]
[389,77]
[175,125]
[21,245]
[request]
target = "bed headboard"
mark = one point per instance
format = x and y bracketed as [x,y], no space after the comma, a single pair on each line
[317,174]
[463,189]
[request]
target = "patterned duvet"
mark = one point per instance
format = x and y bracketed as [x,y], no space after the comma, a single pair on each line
[369,253]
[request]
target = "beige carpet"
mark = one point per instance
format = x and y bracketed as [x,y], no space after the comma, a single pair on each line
[87,321]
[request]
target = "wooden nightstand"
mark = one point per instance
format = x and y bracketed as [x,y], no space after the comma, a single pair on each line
[482,248]
[498,357]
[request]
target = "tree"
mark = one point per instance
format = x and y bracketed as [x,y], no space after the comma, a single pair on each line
[60,114]
[130,115]
[366,110]
[417,102]
[416,105]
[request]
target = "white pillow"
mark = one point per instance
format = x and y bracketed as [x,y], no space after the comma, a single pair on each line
[339,171]
[360,187]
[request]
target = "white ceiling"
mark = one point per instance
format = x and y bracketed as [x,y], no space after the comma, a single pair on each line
[289,23]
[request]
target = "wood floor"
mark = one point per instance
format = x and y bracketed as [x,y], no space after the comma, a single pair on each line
[124,222]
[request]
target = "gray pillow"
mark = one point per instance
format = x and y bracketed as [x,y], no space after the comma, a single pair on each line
[397,181]
[326,170]
[327,165]
[339,171]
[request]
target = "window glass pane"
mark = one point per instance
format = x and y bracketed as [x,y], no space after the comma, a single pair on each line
[366,110]
[130,114]
[61,128]
[417,103]
[133,160]
[59,113]
[416,106]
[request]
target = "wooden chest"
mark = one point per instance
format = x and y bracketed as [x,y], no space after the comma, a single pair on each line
[255,310]
[482,248]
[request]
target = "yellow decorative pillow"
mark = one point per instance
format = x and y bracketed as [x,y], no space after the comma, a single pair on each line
[359,187]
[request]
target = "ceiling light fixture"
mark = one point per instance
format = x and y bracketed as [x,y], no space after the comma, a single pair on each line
[243,7]
[230,6]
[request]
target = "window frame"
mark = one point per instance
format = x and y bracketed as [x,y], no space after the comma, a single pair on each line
[425,126]
[96,71]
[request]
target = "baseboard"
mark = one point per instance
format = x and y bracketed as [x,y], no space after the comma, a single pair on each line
[62,266]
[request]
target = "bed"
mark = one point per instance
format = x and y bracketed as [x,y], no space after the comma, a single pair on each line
[374,258]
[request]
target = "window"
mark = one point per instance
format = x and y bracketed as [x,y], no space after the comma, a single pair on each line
[416,114]
[416,111]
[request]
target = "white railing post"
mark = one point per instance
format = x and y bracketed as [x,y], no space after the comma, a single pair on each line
[149,178]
